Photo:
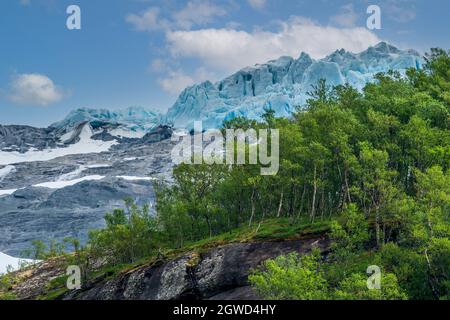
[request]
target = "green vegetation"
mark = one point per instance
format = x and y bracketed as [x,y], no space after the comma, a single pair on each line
[6,283]
[291,277]
[295,277]
[369,168]
[129,235]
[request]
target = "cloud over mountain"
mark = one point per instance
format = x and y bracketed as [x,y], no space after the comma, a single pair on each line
[230,49]
[35,89]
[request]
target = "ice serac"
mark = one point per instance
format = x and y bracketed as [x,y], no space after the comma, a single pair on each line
[131,122]
[283,84]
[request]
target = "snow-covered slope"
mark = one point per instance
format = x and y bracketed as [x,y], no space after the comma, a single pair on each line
[283,84]
[13,263]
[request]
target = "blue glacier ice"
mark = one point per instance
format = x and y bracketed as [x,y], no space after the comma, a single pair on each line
[282,84]
[134,119]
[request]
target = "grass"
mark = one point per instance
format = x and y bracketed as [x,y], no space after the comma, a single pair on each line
[269,230]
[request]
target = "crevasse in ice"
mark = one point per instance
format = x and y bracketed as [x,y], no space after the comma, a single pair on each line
[283,84]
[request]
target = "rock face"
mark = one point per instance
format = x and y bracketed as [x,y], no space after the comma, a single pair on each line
[33,281]
[162,132]
[19,138]
[221,273]
[283,84]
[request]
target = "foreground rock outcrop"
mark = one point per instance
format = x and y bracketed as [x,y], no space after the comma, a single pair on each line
[218,274]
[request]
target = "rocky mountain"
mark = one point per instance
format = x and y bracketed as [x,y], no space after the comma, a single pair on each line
[103,125]
[64,189]
[283,84]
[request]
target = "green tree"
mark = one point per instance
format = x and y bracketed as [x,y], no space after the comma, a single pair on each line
[351,233]
[291,277]
[128,236]
[355,288]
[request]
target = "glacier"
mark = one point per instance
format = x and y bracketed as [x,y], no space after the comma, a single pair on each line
[132,122]
[283,84]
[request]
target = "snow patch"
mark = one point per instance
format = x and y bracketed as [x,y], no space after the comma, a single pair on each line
[98,166]
[131,178]
[6,171]
[84,146]
[13,263]
[62,184]
[76,173]
[59,184]
[7,192]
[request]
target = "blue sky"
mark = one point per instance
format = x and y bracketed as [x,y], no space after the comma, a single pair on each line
[144,52]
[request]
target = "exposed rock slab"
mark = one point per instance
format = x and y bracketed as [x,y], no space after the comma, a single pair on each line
[221,273]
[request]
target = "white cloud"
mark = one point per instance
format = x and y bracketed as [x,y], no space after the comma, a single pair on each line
[176,81]
[147,20]
[198,12]
[36,89]
[257,4]
[347,17]
[24,2]
[229,49]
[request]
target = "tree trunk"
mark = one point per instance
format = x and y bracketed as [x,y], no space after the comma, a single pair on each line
[322,203]
[302,202]
[253,208]
[377,226]
[292,197]
[262,220]
[280,205]
[346,185]
[313,208]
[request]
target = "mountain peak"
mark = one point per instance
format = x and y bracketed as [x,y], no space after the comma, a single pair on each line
[303,56]
[387,48]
